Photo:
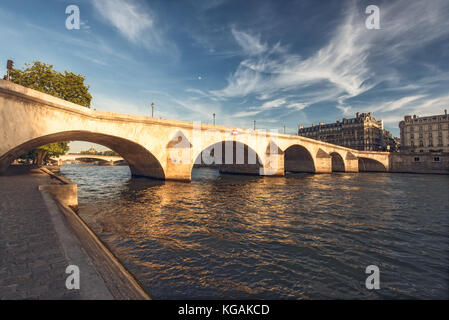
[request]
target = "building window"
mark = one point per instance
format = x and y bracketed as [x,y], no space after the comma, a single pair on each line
[436,159]
[416,159]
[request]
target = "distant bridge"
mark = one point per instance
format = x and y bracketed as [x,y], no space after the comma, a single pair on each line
[109,160]
[166,149]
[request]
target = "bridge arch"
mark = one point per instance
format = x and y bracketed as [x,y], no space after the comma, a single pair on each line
[140,160]
[371,165]
[298,159]
[338,164]
[233,156]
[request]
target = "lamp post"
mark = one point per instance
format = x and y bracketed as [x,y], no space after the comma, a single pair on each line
[152,110]
[214,118]
[9,66]
[284,128]
[254,124]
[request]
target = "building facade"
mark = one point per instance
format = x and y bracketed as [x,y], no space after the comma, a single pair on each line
[425,134]
[363,132]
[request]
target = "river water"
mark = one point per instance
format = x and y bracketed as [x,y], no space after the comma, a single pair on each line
[301,236]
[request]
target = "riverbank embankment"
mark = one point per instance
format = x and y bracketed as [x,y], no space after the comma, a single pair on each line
[40,236]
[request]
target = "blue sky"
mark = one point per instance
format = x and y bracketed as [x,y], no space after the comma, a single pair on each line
[276,62]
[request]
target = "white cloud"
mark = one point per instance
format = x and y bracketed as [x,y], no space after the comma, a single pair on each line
[353,62]
[137,23]
[242,114]
[393,110]
[250,44]
[345,110]
[272,104]
[130,19]
[269,105]
[397,104]
[297,106]
[341,62]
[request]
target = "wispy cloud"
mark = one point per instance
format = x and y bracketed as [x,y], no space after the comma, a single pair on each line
[272,104]
[353,62]
[128,17]
[297,106]
[397,104]
[136,22]
[341,62]
[250,44]
[393,110]
[243,114]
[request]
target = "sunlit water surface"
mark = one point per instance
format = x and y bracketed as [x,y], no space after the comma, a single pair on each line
[299,236]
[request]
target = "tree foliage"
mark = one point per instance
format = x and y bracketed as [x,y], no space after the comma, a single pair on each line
[44,78]
[44,153]
[99,153]
[67,86]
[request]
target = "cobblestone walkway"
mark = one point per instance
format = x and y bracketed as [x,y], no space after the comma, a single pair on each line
[32,261]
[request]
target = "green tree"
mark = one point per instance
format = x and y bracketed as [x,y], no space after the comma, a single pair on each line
[110,153]
[51,150]
[44,153]
[67,86]
[44,78]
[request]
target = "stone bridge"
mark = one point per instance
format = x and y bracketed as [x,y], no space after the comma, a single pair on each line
[166,149]
[111,160]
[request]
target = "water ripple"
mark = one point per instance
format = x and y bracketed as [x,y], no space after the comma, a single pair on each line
[296,237]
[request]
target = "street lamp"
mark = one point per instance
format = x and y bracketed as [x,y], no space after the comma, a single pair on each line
[9,66]
[254,124]
[152,110]
[284,128]
[214,118]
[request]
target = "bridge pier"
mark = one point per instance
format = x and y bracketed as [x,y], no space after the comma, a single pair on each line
[323,162]
[178,171]
[351,163]
[352,166]
[274,164]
